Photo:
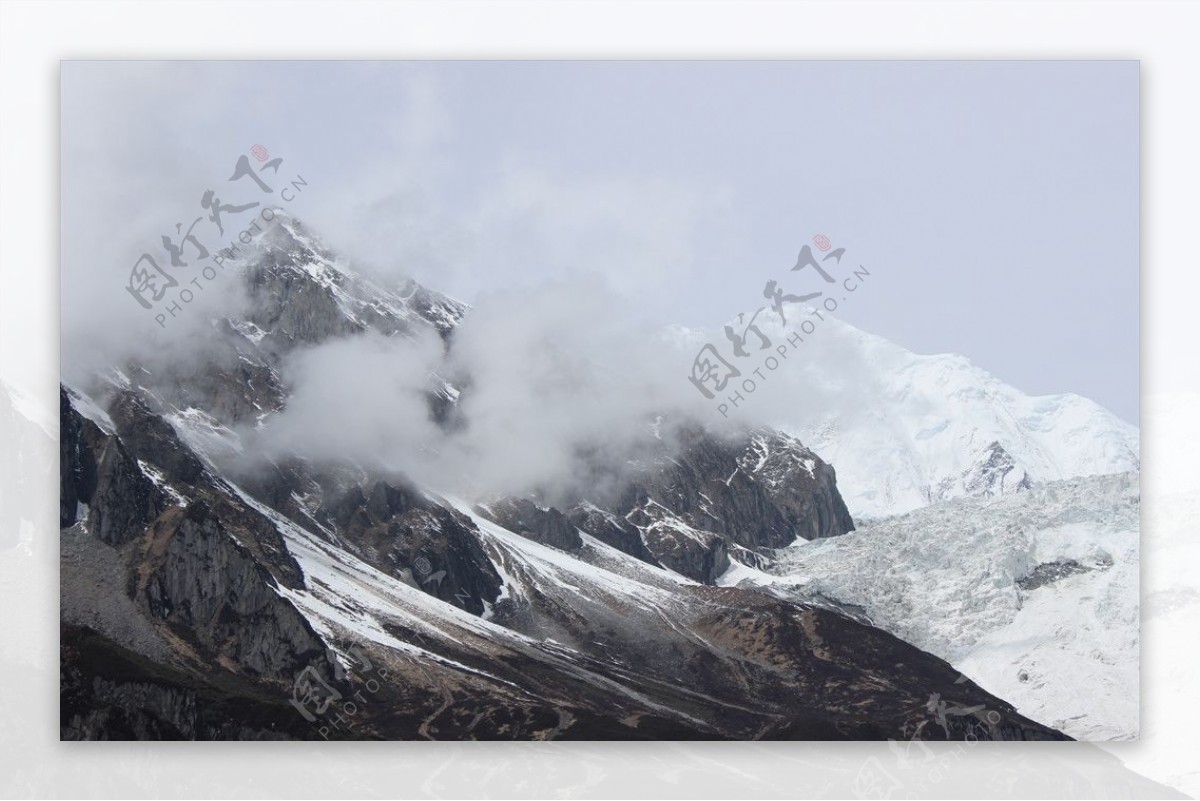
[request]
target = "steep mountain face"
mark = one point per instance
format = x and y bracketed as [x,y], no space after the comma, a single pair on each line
[717,499]
[770,489]
[297,293]
[912,430]
[201,599]
[302,293]
[218,598]
[400,530]
[541,524]
[1034,595]
[187,580]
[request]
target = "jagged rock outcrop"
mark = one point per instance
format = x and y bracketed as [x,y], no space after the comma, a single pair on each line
[197,579]
[541,524]
[692,505]
[297,296]
[695,553]
[611,530]
[405,534]
[204,567]
[993,473]
[100,482]
[153,439]
[385,522]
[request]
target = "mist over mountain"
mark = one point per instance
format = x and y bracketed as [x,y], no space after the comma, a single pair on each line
[550,389]
[522,509]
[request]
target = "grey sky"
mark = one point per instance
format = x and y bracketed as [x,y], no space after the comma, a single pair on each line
[996,203]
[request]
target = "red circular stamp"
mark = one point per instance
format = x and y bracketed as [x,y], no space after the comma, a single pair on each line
[822,242]
[259,152]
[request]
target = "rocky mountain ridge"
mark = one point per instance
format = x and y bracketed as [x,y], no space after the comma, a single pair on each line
[201,600]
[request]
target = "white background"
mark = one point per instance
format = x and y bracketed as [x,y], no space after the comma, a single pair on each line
[35,36]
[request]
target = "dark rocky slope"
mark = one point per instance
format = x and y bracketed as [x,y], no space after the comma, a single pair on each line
[202,600]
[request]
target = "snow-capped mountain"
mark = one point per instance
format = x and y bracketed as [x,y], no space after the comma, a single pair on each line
[905,430]
[196,607]
[1033,595]
[203,598]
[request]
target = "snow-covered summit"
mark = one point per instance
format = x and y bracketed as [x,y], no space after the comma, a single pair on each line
[905,430]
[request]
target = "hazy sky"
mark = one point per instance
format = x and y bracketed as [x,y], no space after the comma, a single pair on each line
[995,203]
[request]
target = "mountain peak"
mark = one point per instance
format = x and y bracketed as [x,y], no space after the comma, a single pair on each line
[905,430]
[301,292]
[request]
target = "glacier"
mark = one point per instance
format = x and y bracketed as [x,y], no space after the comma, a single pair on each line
[1034,596]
